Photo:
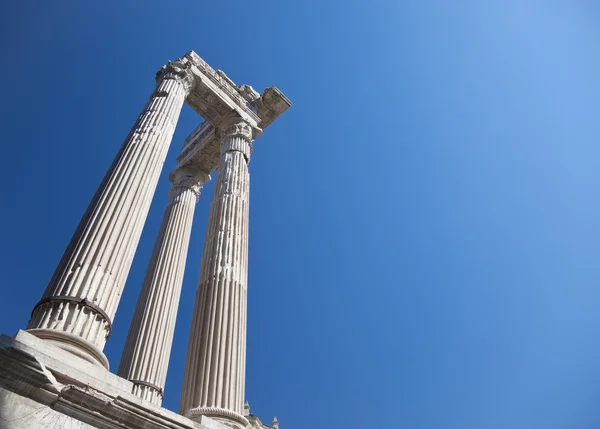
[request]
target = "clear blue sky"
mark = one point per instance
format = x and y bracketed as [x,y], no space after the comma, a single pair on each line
[425,225]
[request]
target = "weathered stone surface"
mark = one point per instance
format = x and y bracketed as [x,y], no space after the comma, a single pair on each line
[79,304]
[215,96]
[148,347]
[40,389]
[255,423]
[56,373]
[215,368]
[21,412]
[203,146]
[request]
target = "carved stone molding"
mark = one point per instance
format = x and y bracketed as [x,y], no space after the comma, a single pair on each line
[217,413]
[249,93]
[188,177]
[236,136]
[188,183]
[241,129]
[83,295]
[73,344]
[42,387]
[178,70]
[202,148]
[218,77]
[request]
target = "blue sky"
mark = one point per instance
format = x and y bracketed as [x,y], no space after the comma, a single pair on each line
[424,232]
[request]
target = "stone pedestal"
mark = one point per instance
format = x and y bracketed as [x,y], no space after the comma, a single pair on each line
[55,374]
[216,360]
[43,386]
[147,349]
[80,302]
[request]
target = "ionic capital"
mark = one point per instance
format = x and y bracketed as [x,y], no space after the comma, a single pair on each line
[188,177]
[227,132]
[236,128]
[178,70]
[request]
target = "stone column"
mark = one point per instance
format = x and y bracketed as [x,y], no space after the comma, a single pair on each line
[216,359]
[80,302]
[148,347]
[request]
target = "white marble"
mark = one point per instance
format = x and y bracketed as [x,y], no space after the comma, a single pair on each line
[77,309]
[215,368]
[56,372]
[148,347]
[43,386]
[255,423]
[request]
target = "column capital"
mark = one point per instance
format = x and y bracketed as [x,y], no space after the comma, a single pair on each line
[83,295]
[188,177]
[216,358]
[178,70]
[236,134]
[237,127]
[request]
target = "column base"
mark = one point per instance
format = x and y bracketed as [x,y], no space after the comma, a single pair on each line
[222,415]
[73,344]
[42,386]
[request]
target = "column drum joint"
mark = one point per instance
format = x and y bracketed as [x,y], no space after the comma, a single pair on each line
[81,301]
[150,385]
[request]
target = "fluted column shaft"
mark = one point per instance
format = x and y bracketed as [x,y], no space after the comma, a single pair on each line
[148,347]
[80,302]
[216,359]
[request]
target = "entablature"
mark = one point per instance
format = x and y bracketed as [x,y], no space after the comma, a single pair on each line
[217,98]
[202,148]
[214,96]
